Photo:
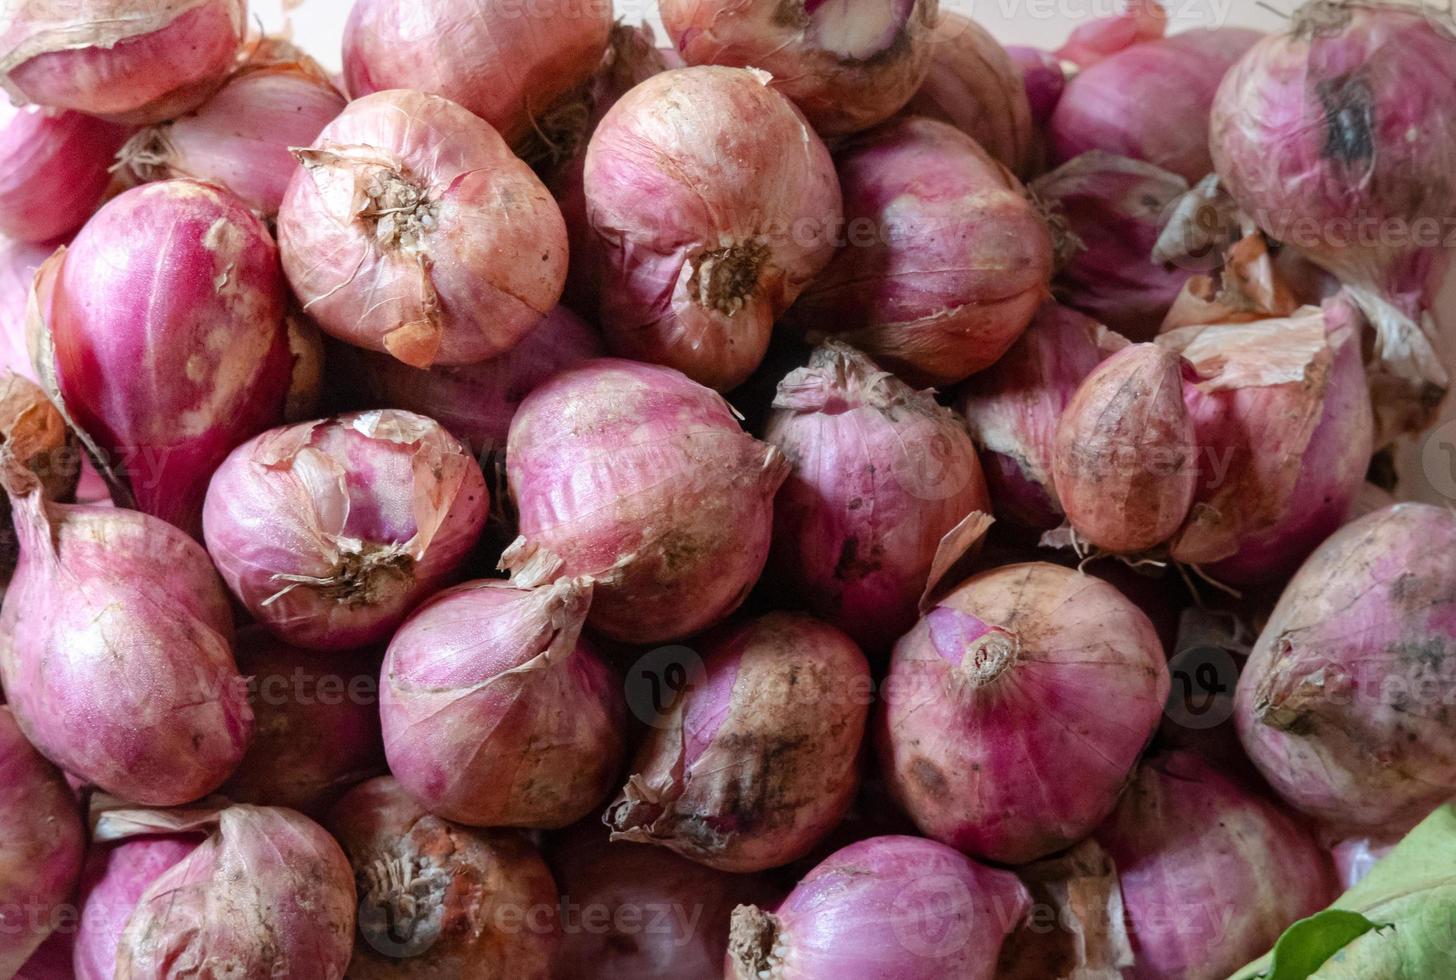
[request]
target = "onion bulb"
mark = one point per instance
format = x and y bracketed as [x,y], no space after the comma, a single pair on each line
[18,264]
[115,877]
[54,168]
[1043,77]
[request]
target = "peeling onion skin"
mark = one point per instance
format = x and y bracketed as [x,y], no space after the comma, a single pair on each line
[886,908]
[113,881]
[1125,460]
[1210,873]
[496,712]
[1017,708]
[124,60]
[633,475]
[712,204]
[507,63]
[330,532]
[34,434]
[54,168]
[843,69]
[881,474]
[1344,705]
[42,847]
[441,900]
[756,765]
[946,260]
[473,258]
[167,339]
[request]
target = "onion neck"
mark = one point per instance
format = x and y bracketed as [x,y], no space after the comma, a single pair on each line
[978,652]
[755,943]
[359,578]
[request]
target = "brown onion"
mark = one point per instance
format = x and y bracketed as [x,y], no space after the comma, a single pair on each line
[54,167]
[411,228]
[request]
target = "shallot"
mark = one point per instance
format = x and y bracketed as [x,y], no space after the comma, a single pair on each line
[114,879]
[54,167]
[18,264]
[1097,40]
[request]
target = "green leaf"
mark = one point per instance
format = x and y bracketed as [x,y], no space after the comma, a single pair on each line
[1306,945]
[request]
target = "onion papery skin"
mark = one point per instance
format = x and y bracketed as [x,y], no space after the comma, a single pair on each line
[411,228]
[843,68]
[43,846]
[1044,80]
[507,64]
[476,402]
[33,433]
[113,881]
[633,475]
[1150,102]
[330,532]
[440,900]
[887,908]
[711,205]
[316,726]
[166,717]
[1344,704]
[1210,873]
[1284,425]
[165,338]
[54,167]
[946,259]
[1125,461]
[496,712]
[1016,709]
[1142,21]
[123,60]
[975,86]
[881,474]
[754,767]
[1012,409]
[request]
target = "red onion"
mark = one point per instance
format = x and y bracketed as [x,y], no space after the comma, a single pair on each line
[946,263]
[1043,79]
[240,137]
[846,65]
[1337,139]
[1282,415]
[633,475]
[42,848]
[509,64]
[1150,102]
[974,85]
[1089,43]
[34,435]
[54,167]
[267,893]
[1343,705]
[148,706]
[405,229]
[1125,461]
[755,764]
[1012,409]
[329,532]
[1354,859]
[1016,709]
[1210,873]
[496,713]
[711,206]
[127,60]
[114,880]
[440,900]
[881,474]
[166,341]
[18,264]
[887,908]
[476,402]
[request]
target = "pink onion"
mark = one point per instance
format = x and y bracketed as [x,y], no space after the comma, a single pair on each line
[18,264]
[240,137]
[1337,138]
[476,402]
[508,63]
[946,262]
[54,167]
[496,713]
[1355,858]
[754,765]
[412,228]
[1016,709]
[115,878]
[329,532]
[1210,873]
[440,900]
[267,893]
[146,705]
[1150,102]
[127,60]
[881,474]
[165,338]
[41,850]
[637,477]
[1012,409]
[888,908]
[34,435]
[1343,704]
[1043,78]
[1097,40]
[711,206]
[848,66]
